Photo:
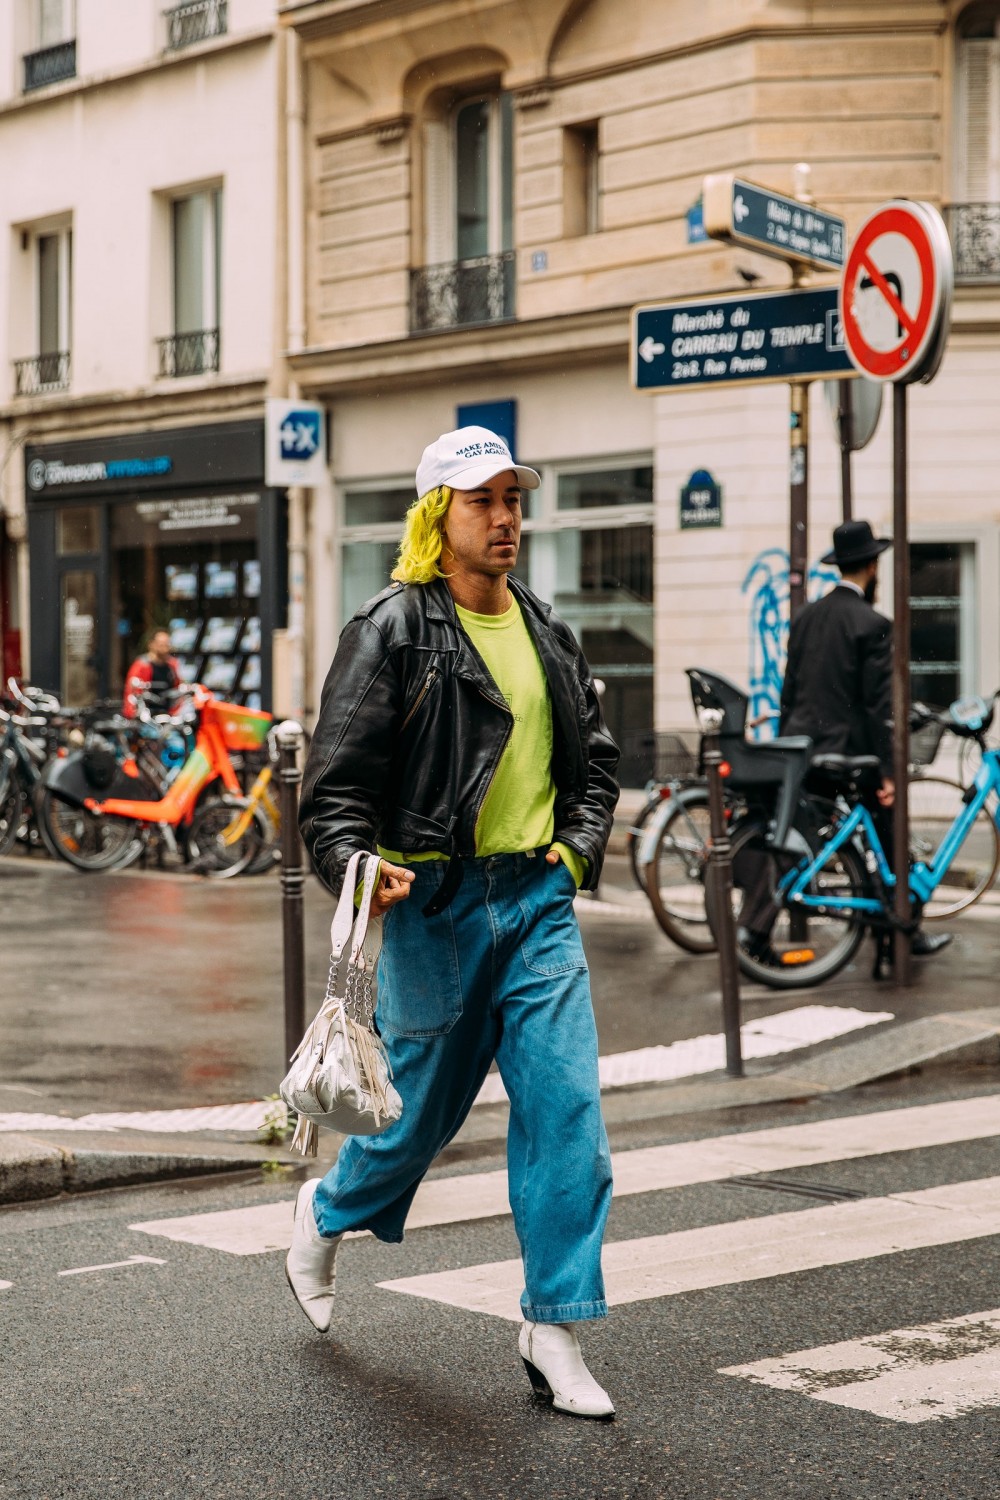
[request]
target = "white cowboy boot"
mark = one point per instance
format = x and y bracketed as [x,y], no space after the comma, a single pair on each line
[310,1265]
[552,1358]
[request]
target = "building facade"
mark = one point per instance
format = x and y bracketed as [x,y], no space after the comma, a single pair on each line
[489,186]
[143,276]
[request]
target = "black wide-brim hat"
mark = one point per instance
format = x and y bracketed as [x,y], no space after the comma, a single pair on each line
[855,543]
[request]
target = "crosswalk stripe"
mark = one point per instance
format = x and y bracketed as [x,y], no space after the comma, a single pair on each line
[768,1036]
[920,1374]
[481,1195]
[743,1250]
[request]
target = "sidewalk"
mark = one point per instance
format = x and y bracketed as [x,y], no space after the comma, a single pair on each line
[165,992]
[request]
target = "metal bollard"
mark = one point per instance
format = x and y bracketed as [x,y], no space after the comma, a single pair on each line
[289,737]
[720,872]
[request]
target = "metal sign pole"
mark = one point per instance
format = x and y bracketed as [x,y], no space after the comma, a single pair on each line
[289,737]
[720,872]
[901,681]
[845,422]
[798,495]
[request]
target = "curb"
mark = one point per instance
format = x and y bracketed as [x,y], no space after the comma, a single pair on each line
[34,1167]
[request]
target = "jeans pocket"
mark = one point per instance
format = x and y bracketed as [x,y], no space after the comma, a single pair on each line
[419,987]
[551,943]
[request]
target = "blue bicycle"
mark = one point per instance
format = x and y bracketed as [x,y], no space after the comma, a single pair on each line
[803,903]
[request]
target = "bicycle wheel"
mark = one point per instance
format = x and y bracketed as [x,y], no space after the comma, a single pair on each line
[935,803]
[83,840]
[633,835]
[208,850]
[675,875]
[793,948]
[11,812]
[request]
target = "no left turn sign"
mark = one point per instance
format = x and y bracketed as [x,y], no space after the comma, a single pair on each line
[896,293]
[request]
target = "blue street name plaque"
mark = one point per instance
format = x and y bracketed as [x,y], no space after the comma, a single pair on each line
[732,340]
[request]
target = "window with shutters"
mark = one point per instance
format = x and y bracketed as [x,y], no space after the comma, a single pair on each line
[975,214]
[51,254]
[468,273]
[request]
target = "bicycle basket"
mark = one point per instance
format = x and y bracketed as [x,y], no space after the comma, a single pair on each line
[924,743]
[674,756]
[241,728]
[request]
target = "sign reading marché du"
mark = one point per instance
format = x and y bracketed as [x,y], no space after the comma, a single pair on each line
[732,339]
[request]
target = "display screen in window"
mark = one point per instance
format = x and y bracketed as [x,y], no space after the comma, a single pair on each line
[182,582]
[221,580]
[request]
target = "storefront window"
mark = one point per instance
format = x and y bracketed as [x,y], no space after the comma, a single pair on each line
[941,621]
[373,524]
[78,624]
[190,566]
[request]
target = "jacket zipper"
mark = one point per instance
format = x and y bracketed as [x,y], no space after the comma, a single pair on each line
[431,675]
[497,703]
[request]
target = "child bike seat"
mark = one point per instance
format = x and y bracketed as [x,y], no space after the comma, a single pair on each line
[781,763]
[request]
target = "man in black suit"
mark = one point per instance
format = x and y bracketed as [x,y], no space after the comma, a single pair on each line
[838,680]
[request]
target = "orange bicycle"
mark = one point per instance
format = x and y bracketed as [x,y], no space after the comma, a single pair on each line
[96,802]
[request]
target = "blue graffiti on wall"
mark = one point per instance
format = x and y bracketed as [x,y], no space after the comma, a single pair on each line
[767,584]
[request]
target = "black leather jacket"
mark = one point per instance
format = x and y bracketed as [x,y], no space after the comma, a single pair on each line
[412,726]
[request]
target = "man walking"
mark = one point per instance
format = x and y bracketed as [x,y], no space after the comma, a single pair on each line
[461,735]
[838,681]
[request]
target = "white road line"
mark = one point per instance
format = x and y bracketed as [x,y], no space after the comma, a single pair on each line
[744,1250]
[5,1285]
[767,1037]
[113,1265]
[483,1195]
[920,1374]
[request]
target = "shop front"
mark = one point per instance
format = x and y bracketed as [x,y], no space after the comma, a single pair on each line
[171,530]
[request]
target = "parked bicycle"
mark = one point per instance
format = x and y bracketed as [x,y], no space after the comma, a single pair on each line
[99,802]
[818,895]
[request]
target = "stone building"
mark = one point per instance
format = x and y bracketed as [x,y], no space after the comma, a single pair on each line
[142,270]
[491,185]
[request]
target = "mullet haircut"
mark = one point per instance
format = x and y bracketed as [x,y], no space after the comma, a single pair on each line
[422,540]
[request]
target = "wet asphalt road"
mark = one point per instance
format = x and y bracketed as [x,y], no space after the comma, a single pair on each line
[199,1377]
[149,990]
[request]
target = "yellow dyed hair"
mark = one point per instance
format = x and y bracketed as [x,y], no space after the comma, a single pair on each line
[420,547]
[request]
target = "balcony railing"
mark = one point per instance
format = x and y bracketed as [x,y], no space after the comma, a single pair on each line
[462,293]
[50,65]
[189,353]
[193,22]
[43,373]
[975,240]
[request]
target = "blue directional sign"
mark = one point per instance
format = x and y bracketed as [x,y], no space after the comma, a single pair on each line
[736,340]
[745,213]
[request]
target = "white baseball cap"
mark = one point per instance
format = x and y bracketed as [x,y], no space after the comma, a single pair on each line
[467,458]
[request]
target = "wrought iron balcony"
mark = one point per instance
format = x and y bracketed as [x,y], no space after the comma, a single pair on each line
[50,65]
[462,293]
[195,21]
[189,353]
[975,240]
[43,373]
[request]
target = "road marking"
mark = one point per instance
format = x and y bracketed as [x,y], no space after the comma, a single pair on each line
[767,1037]
[113,1265]
[5,1285]
[653,1169]
[921,1374]
[694,1260]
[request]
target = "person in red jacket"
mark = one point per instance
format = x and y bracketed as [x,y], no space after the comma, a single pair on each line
[158,672]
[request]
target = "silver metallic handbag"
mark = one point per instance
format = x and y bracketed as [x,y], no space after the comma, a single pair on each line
[340,1076]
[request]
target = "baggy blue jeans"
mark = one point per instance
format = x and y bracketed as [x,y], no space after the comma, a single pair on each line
[499,973]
